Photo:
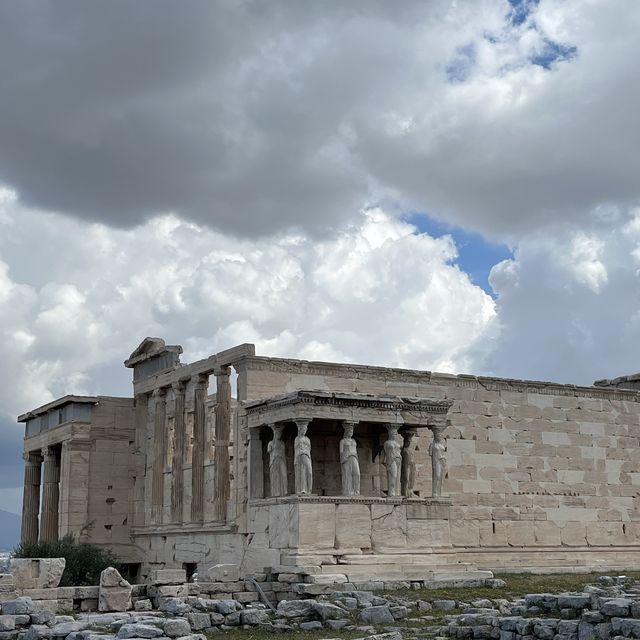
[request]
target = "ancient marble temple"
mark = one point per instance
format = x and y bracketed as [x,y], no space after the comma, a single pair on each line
[260,461]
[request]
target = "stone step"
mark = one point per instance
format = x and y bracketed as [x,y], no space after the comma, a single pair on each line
[424,559]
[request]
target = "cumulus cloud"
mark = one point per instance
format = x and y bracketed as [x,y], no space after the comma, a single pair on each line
[568,306]
[248,117]
[380,293]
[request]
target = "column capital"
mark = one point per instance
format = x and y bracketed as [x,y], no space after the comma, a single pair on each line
[200,380]
[222,371]
[48,453]
[179,386]
[302,421]
[159,392]
[32,457]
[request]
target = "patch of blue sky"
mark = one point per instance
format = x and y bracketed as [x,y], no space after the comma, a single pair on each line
[460,67]
[521,10]
[553,52]
[476,255]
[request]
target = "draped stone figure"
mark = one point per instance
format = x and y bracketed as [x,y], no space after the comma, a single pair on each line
[437,451]
[277,463]
[302,460]
[349,462]
[408,474]
[393,461]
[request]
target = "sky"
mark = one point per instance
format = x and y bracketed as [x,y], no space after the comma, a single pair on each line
[450,186]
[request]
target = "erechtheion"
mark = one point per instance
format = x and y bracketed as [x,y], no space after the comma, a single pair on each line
[386,472]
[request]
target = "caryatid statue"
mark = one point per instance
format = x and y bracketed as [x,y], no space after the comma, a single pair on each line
[277,462]
[349,462]
[393,461]
[408,474]
[302,459]
[437,451]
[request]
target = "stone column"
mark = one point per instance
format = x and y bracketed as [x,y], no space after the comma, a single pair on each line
[50,495]
[177,474]
[222,485]
[31,498]
[159,454]
[199,442]
[256,465]
[139,459]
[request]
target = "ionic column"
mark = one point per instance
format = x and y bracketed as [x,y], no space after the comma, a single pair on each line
[177,478]
[222,485]
[139,459]
[197,460]
[159,453]
[31,498]
[50,495]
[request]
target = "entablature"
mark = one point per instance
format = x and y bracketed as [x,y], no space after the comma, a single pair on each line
[354,407]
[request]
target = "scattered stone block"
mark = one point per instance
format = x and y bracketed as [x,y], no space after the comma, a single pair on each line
[37,573]
[115,591]
[377,615]
[7,623]
[220,573]
[18,606]
[167,576]
[176,628]
[137,630]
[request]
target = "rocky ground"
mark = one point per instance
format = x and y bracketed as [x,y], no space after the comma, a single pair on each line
[608,609]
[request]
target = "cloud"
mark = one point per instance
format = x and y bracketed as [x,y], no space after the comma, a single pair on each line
[71,315]
[250,117]
[567,304]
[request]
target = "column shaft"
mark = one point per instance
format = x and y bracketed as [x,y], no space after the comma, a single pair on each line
[31,499]
[159,455]
[50,496]
[177,484]
[223,434]
[197,460]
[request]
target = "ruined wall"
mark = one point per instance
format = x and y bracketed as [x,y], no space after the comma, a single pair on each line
[532,466]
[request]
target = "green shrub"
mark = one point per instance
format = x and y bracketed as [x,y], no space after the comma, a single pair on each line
[84,564]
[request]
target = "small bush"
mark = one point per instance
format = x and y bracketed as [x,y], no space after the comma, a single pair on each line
[85,562]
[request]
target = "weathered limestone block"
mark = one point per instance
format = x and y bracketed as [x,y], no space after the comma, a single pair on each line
[317,529]
[547,534]
[424,534]
[37,573]
[167,576]
[465,533]
[219,573]
[115,591]
[389,527]
[353,526]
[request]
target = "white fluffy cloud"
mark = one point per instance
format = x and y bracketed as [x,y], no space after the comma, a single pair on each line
[252,117]
[568,303]
[378,293]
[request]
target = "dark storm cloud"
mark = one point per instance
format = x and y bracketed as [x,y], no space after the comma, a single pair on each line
[11,465]
[115,111]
